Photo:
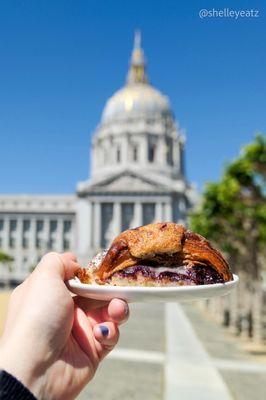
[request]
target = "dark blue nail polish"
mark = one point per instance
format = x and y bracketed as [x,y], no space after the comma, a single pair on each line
[104,330]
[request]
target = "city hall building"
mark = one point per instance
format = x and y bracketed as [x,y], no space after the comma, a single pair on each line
[137,177]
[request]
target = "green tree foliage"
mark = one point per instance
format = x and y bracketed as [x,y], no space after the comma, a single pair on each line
[232,213]
[5,258]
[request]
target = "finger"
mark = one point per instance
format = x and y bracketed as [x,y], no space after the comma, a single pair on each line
[62,265]
[88,305]
[118,311]
[97,311]
[106,333]
[82,332]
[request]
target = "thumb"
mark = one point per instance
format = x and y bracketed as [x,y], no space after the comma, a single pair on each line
[58,265]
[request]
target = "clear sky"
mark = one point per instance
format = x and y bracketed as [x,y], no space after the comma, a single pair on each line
[61,60]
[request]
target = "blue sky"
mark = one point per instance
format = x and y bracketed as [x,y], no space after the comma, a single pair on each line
[61,60]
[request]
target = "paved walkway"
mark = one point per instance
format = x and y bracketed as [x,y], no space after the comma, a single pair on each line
[243,373]
[169,352]
[134,371]
[188,367]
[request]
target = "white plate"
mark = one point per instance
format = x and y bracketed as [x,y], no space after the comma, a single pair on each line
[151,294]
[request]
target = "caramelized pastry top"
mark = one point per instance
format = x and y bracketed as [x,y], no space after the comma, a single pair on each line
[165,244]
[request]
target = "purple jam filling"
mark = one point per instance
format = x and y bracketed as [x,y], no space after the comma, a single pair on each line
[202,275]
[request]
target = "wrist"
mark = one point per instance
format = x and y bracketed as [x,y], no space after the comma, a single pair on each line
[14,363]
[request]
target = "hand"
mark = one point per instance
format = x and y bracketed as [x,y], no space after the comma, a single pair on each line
[52,341]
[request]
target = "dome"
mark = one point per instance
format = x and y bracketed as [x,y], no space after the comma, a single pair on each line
[136,100]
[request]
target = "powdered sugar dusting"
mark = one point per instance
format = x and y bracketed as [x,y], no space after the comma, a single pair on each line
[95,263]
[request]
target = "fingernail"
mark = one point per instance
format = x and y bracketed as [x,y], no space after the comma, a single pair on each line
[126,310]
[104,330]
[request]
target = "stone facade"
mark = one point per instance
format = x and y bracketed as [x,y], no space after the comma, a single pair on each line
[137,177]
[31,225]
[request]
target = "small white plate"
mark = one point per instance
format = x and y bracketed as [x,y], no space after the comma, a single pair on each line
[151,294]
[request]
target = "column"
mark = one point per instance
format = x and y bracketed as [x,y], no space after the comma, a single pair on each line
[137,214]
[19,234]
[32,254]
[97,225]
[181,210]
[161,151]
[5,273]
[176,156]
[32,235]
[18,246]
[116,218]
[95,156]
[89,222]
[45,235]
[60,235]
[158,212]
[83,227]
[6,233]
[181,157]
[168,212]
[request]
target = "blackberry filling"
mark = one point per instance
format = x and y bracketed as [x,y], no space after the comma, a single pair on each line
[202,275]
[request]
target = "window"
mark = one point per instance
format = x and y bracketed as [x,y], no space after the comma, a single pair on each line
[1,224]
[151,152]
[135,153]
[25,242]
[106,222]
[26,225]
[52,239]
[148,211]
[38,243]
[105,156]
[12,242]
[53,226]
[39,226]
[39,229]
[13,225]
[51,243]
[118,155]
[12,229]
[67,226]
[169,151]
[127,215]
[66,229]
[66,244]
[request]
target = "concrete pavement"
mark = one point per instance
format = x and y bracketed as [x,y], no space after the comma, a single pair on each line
[159,357]
[243,373]
[135,370]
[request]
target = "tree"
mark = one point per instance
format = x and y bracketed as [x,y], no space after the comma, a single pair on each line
[5,258]
[233,210]
[5,262]
[232,215]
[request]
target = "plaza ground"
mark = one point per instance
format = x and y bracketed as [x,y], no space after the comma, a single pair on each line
[169,352]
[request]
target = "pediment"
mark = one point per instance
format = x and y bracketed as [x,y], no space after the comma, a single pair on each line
[127,182]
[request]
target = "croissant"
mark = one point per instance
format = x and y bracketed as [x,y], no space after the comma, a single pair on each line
[159,254]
